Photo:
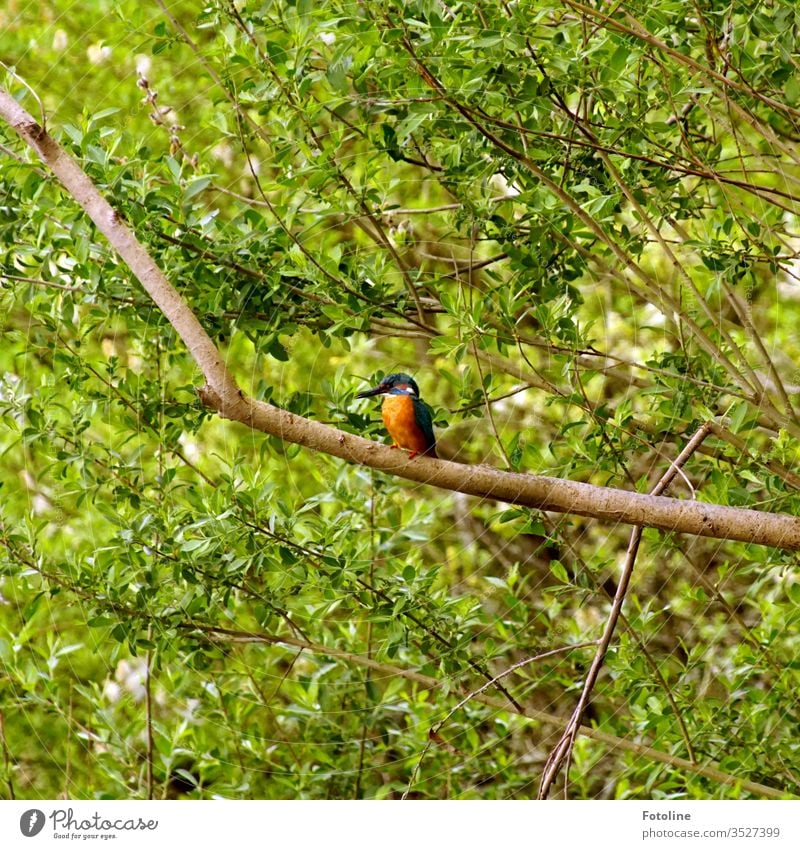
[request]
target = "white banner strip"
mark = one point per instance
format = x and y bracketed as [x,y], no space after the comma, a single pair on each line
[227,824]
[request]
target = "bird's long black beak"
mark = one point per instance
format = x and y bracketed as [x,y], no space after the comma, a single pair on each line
[368,393]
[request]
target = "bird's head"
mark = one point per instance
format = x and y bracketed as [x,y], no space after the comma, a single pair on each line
[396,384]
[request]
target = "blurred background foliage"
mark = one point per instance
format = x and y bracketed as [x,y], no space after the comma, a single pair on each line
[577,227]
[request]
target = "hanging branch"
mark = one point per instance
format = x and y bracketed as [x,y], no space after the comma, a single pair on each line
[562,752]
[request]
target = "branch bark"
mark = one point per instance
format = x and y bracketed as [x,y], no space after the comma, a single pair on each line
[223,395]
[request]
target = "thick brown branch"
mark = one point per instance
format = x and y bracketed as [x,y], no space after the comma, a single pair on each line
[560,496]
[122,238]
[223,395]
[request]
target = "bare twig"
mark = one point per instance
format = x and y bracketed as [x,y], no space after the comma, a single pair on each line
[148,707]
[562,752]
[435,729]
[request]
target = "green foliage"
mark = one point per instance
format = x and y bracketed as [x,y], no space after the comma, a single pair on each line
[579,233]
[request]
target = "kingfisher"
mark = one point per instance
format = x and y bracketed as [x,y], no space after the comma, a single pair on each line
[406,416]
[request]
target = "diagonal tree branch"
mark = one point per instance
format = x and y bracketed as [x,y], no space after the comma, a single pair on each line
[222,394]
[562,753]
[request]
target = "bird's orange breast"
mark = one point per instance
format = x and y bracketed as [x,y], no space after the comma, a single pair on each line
[398,416]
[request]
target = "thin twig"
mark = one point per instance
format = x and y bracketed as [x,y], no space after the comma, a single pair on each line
[373,548]
[435,729]
[148,706]
[487,404]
